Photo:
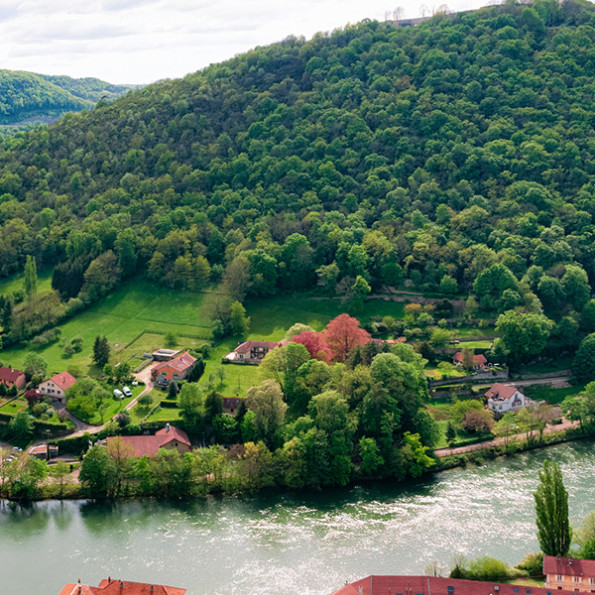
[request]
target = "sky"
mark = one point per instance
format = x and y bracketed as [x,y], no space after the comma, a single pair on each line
[141,41]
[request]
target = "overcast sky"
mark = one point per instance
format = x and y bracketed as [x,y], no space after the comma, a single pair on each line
[141,41]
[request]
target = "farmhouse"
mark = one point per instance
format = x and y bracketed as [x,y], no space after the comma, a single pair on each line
[11,377]
[252,352]
[435,585]
[177,368]
[168,437]
[479,361]
[505,397]
[56,386]
[570,574]
[230,404]
[111,586]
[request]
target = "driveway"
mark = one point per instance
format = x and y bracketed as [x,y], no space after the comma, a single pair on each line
[143,376]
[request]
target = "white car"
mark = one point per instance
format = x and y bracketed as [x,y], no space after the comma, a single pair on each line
[118,394]
[127,391]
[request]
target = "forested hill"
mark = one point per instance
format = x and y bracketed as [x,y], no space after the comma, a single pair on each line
[26,95]
[422,156]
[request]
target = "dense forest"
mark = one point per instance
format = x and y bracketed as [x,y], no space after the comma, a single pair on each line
[30,96]
[454,156]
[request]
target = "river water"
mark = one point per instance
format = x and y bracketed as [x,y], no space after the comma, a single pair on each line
[286,543]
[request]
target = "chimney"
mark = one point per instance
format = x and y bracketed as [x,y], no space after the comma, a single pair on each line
[121,585]
[167,427]
[152,589]
[361,590]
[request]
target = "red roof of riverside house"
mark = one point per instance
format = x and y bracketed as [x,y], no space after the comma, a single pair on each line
[478,360]
[502,391]
[64,380]
[180,363]
[435,585]
[150,445]
[111,586]
[9,375]
[569,566]
[248,345]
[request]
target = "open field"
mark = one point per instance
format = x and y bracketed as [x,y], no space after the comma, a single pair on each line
[16,282]
[134,308]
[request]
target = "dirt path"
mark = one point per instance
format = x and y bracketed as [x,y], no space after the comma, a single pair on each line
[550,429]
[143,376]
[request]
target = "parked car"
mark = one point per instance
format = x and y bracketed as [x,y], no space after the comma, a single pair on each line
[127,391]
[118,394]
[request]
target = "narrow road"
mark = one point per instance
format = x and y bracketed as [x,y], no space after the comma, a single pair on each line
[143,376]
[550,429]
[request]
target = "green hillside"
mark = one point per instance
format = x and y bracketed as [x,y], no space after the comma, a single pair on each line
[456,157]
[29,97]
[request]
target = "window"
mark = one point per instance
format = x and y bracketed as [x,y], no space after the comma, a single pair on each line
[577,579]
[559,577]
[592,581]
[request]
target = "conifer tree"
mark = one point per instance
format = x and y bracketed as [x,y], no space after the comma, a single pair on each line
[30,275]
[101,351]
[551,506]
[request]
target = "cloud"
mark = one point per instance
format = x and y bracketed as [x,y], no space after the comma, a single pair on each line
[139,41]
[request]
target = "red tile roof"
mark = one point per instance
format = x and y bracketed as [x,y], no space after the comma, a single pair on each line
[10,375]
[433,585]
[569,566]
[180,363]
[64,380]
[501,391]
[116,587]
[150,445]
[478,360]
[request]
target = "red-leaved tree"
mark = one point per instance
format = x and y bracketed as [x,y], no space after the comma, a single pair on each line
[343,334]
[315,344]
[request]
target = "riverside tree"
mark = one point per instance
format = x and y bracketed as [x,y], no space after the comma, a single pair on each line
[551,507]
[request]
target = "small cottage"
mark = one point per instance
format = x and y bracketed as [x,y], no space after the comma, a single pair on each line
[505,397]
[56,386]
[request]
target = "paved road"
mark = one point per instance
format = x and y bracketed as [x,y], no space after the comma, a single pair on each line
[550,429]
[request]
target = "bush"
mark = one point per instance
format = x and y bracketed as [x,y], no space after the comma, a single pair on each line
[487,568]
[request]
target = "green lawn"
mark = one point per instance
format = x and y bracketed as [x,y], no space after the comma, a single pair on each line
[137,307]
[15,406]
[551,394]
[561,363]
[474,345]
[16,282]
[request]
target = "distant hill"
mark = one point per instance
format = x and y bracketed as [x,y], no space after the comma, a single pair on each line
[416,156]
[26,97]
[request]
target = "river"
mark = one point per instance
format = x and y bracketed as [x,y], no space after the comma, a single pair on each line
[286,543]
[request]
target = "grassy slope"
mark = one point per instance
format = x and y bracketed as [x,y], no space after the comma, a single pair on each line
[136,307]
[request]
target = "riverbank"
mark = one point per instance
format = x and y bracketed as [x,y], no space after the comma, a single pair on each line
[445,459]
[277,541]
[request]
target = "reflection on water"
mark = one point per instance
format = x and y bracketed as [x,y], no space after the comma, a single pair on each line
[279,542]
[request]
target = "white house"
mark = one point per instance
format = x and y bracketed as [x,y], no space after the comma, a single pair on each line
[56,386]
[505,397]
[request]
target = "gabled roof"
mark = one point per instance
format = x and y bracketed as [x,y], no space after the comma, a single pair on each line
[180,363]
[150,445]
[478,360]
[501,391]
[569,566]
[248,345]
[435,585]
[116,587]
[64,380]
[170,433]
[10,375]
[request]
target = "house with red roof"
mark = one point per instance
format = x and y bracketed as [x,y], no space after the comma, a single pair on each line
[571,574]
[435,585]
[56,386]
[252,352]
[177,368]
[505,397]
[109,586]
[11,377]
[169,437]
[479,361]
